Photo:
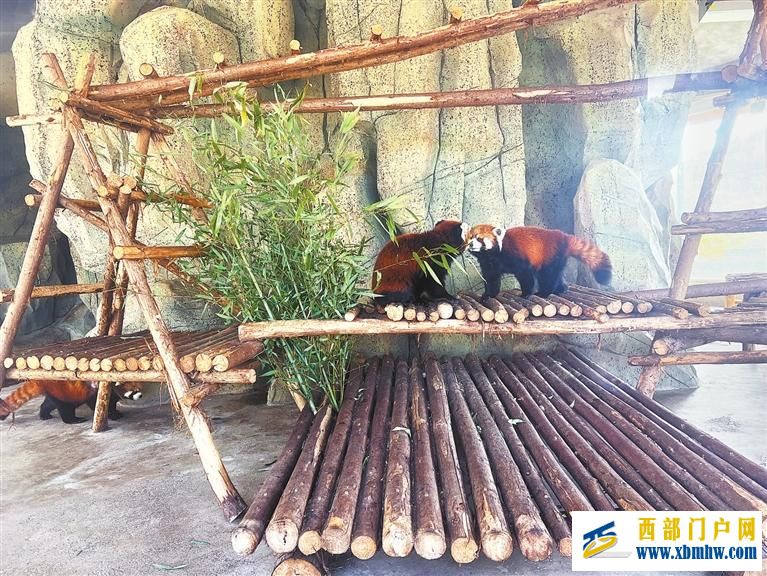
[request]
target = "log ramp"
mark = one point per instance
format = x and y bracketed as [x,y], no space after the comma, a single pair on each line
[470,456]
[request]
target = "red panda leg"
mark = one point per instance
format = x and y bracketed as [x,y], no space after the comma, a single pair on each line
[550,279]
[46,408]
[526,279]
[398,296]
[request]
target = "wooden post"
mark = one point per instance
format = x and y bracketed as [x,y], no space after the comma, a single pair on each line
[310,541]
[246,537]
[463,545]
[229,500]
[298,564]
[367,519]
[429,529]
[397,531]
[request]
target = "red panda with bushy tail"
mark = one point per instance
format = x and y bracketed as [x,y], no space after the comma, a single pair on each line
[397,274]
[65,396]
[532,254]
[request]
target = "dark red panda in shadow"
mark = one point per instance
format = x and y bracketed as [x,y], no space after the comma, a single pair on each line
[532,254]
[397,274]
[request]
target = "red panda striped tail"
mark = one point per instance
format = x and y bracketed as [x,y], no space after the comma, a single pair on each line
[23,394]
[590,254]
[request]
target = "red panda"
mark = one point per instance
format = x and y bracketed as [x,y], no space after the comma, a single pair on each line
[532,254]
[397,275]
[64,396]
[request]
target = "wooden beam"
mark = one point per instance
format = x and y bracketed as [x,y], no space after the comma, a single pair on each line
[54,290]
[174,89]
[100,110]
[731,216]
[302,328]
[573,94]
[726,227]
[135,252]
[756,357]
[213,379]
[703,290]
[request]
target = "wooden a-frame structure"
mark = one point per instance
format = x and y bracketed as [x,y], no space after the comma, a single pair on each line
[139,107]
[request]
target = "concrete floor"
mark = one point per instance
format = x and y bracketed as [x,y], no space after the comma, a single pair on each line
[134,501]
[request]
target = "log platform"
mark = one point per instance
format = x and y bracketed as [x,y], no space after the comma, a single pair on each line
[532,436]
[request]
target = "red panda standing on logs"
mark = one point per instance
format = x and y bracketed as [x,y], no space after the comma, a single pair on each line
[532,254]
[65,396]
[398,275]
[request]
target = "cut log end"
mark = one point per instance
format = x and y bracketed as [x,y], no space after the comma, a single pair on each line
[464,550]
[310,542]
[282,537]
[375,33]
[566,547]
[296,567]
[364,547]
[219,59]
[395,312]
[627,307]
[147,70]
[497,545]
[536,544]
[456,14]
[397,541]
[550,310]
[295,47]
[430,545]
[445,310]
[336,538]
[244,541]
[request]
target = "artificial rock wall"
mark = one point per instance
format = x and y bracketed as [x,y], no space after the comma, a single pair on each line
[601,170]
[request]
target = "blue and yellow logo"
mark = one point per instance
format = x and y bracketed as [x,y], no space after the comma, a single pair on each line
[599,540]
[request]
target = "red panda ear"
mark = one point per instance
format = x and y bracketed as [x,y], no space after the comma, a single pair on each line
[499,233]
[464,231]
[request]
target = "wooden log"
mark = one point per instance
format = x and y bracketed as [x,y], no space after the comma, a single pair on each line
[472,314]
[745,472]
[432,314]
[681,456]
[495,536]
[533,308]
[395,312]
[612,304]
[746,334]
[710,289]
[265,72]
[196,420]
[692,307]
[33,201]
[310,542]
[458,312]
[367,519]
[549,309]
[397,532]
[212,340]
[410,313]
[101,110]
[713,175]
[147,70]
[375,33]
[569,387]
[444,309]
[756,357]
[156,252]
[564,306]
[33,119]
[298,564]
[501,314]
[531,533]
[233,358]
[485,313]
[211,382]
[246,537]
[55,290]
[517,312]
[730,216]
[301,328]
[463,546]
[352,313]
[738,227]
[282,530]
[588,302]
[611,473]
[420,313]
[337,532]
[429,529]
[671,490]
[536,484]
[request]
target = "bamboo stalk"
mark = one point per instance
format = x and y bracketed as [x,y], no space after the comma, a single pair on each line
[282,531]
[536,484]
[367,519]
[755,357]
[397,532]
[495,536]
[655,475]
[309,541]
[610,471]
[246,537]
[531,533]
[429,529]
[333,60]
[156,252]
[463,546]
[337,533]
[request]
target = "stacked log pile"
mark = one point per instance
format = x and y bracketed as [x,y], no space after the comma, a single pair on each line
[468,456]
[578,302]
[209,356]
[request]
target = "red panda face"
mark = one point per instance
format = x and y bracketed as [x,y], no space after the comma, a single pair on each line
[485,237]
[454,230]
